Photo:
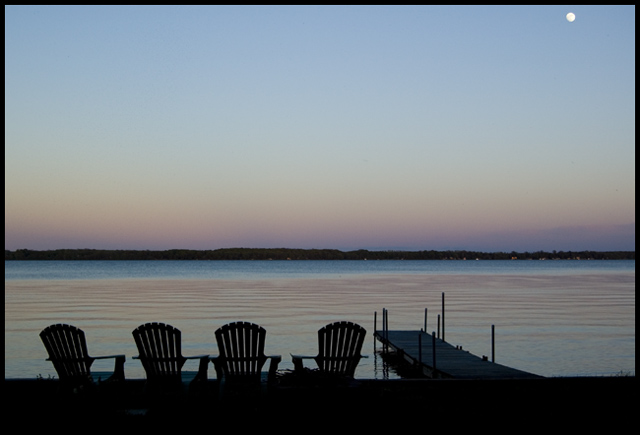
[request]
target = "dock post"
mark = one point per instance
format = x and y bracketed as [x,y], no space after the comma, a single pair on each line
[375,322]
[493,343]
[385,326]
[438,325]
[443,317]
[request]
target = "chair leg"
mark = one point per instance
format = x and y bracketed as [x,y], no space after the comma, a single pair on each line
[273,368]
[202,370]
[118,372]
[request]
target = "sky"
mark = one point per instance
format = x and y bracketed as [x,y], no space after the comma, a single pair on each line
[487,128]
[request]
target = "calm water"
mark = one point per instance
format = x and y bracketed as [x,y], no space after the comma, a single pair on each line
[553,318]
[56,270]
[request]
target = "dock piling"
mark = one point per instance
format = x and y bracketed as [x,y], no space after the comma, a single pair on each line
[443,317]
[425,320]
[385,324]
[433,345]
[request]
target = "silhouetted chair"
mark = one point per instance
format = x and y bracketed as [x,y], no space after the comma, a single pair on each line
[241,348]
[67,349]
[160,352]
[339,345]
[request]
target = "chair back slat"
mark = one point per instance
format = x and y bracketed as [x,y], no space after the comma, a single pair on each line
[339,345]
[67,349]
[241,348]
[159,347]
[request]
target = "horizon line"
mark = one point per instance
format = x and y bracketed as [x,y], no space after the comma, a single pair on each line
[316,249]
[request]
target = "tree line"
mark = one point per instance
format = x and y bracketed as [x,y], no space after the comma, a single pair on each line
[306,254]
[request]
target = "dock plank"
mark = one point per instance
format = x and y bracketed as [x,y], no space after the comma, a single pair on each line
[450,361]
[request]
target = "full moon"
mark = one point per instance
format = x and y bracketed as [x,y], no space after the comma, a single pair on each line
[570,17]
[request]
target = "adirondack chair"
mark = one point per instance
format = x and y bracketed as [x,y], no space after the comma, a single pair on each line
[67,349]
[160,352]
[339,347]
[241,347]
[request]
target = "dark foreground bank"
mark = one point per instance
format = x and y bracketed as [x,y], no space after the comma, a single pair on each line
[364,404]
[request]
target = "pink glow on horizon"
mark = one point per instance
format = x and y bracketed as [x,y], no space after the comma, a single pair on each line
[349,236]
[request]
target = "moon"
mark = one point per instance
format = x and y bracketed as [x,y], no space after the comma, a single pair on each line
[570,17]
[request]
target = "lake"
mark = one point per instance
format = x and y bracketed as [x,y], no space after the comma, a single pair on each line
[552,318]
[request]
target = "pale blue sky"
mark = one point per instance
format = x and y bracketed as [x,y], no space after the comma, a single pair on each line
[485,128]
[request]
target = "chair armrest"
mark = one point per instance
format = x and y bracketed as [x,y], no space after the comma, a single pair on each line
[109,356]
[198,357]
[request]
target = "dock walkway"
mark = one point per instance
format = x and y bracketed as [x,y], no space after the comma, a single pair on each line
[450,361]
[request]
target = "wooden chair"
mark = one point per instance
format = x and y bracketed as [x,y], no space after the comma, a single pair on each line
[67,349]
[339,345]
[160,352]
[241,348]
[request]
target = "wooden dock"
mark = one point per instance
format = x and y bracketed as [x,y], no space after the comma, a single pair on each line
[438,359]
[450,362]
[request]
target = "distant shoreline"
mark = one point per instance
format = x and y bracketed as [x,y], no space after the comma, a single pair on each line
[305,254]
